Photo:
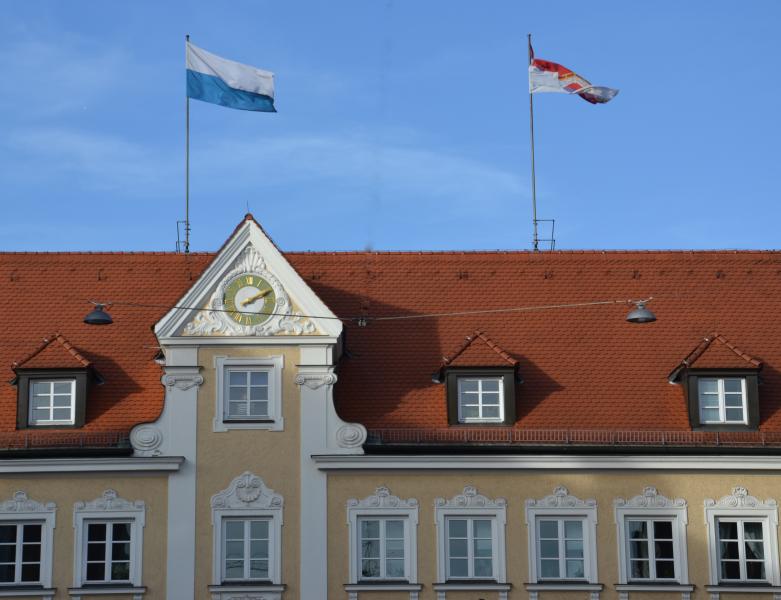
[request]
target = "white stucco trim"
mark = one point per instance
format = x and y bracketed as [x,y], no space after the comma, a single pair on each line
[561,504]
[90,465]
[742,505]
[21,508]
[471,504]
[135,592]
[649,505]
[275,365]
[382,504]
[707,462]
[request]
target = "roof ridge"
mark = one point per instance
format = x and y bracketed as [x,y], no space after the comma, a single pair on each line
[46,342]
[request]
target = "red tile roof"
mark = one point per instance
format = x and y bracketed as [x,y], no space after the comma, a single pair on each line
[478,350]
[716,352]
[54,352]
[584,368]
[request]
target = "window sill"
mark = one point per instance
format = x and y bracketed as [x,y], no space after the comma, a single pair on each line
[223,425]
[26,591]
[654,586]
[743,588]
[467,585]
[564,587]
[227,591]
[107,590]
[383,586]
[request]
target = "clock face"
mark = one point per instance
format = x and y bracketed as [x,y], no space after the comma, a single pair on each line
[249,299]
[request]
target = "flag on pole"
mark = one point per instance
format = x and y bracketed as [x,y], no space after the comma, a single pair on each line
[214,79]
[547,76]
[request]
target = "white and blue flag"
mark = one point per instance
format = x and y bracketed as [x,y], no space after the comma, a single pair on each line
[214,79]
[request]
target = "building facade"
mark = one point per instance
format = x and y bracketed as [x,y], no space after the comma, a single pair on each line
[426,426]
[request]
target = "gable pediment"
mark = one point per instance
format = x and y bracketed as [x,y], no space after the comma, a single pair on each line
[249,290]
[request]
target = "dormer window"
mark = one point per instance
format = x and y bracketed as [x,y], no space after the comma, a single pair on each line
[52,402]
[722,400]
[480,399]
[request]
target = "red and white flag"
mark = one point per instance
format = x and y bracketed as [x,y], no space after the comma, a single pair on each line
[547,76]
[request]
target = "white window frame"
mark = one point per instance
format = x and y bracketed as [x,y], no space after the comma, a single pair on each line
[274,366]
[722,401]
[107,543]
[740,505]
[652,506]
[108,508]
[562,505]
[383,505]
[246,520]
[51,381]
[22,510]
[247,497]
[479,379]
[471,504]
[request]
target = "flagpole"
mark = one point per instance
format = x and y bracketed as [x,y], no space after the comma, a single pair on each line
[536,239]
[186,162]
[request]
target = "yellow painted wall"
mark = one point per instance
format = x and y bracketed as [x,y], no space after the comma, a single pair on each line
[516,487]
[66,490]
[271,455]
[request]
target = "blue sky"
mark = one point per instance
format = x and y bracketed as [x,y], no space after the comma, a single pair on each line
[402,124]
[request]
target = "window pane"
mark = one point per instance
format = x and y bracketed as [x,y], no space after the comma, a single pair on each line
[31,553]
[7,553]
[7,573]
[120,571]
[734,414]
[752,530]
[258,569]
[575,569]
[370,529]
[458,548]
[663,549]
[370,548]
[733,400]
[549,548]
[96,532]
[483,548]
[234,569]
[394,529]
[62,387]
[483,567]
[259,549]
[665,569]
[459,567]
[7,533]
[467,385]
[370,568]
[237,393]
[549,529]
[728,530]
[640,569]
[549,568]
[40,402]
[755,570]
[258,409]
[96,571]
[41,415]
[237,378]
[121,532]
[710,386]
[61,401]
[638,549]
[237,409]
[482,529]
[733,385]
[457,528]
[259,530]
[470,412]
[31,572]
[259,378]
[62,414]
[755,550]
[120,551]
[258,393]
[728,550]
[96,551]
[573,549]
[394,568]
[394,548]
[491,412]
[573,529]
[663,530]
[234,530]
[234,549]
[709,414]
[41,387]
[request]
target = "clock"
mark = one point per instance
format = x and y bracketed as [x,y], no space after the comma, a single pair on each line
[249,299]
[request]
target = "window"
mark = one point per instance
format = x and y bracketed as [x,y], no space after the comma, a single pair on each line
[480,399]
[652,539]
[722,399]
[470,548]
[470,537]
[246,554]
[480,396]
[108,552]
[109,541]
[560,548]
[249,393]
[562,538]
[52,402]
[382,538]
[742,555]
[20,553]
[247,521]
[382,548]
[742,540]
[26,529]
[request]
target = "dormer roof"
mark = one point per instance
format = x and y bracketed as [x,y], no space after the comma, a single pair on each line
[53,352]
[478,350]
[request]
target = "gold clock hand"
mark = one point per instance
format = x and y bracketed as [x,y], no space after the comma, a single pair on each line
[254,298]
